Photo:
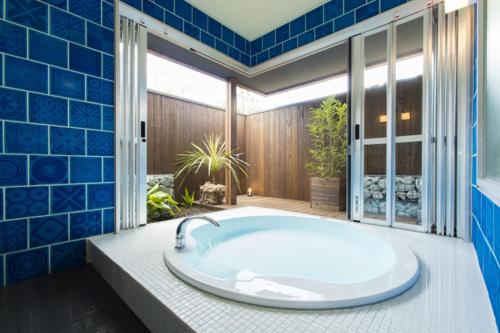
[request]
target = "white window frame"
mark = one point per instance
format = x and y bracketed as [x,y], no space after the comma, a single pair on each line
[489,187]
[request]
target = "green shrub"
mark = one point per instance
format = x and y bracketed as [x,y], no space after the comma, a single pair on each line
[160,204]
[187,198]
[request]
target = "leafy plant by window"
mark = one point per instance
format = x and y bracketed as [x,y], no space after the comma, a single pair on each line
[160,204]
[213,157]
[328,131]
[188,198]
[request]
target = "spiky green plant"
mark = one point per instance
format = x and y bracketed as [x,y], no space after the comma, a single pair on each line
[213,157]
[188,199]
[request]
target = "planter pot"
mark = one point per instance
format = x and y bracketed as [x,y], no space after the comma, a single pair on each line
[328,193]
[212,194]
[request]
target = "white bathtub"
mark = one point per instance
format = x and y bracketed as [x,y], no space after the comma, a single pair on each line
[291,261]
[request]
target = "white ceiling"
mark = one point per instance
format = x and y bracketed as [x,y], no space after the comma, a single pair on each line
[252,19]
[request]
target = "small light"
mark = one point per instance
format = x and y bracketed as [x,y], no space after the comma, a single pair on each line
[452,5]
[405,116]
[249,192]
[382,118]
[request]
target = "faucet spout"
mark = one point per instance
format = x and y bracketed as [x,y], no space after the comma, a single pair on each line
[180,238]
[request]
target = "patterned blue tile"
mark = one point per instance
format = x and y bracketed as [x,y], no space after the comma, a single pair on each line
[227,35]
[27,12]
[184,10]
[298,26]
[66,83]
[173,21]
[26,265]
[245,59]
[67,141]
[85,60]
[191,30]
[89,9]
[276,51]
[26,138]
[353,4]
[268,40]
[13,170]
[2,277]
[367,11]
[109,169]
[13,236]
[108,221]
[290,44]
[67,26]
[1,205]
[314,18]
[100,195]
[282,33]
[48,230]
[306,37]
[67,255]
[389,4]
[108,118]
[324,30]
[100,38]
[152,10]
[108,67]
[233,53]
[100,91]
[58,3]
[200,19]
[263,56]
[333,9]
[86,115]
[256,45]
[474,139]
[12,104]
[85,224]
[214,27]
[86,169]
[48,49]
[496,237]
[134,3]
[108,15]
[239,42]
[487,209]
[207,39]
[25,74]
[48,110]
[221,46]
[344,21]
[48,170]
[67,198]
[167,4]
[100,143]
[26,201]
[12,39]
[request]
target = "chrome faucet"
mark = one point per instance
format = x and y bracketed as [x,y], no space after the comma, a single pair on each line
[180,238]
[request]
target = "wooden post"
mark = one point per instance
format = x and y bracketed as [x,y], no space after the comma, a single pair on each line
[230,136]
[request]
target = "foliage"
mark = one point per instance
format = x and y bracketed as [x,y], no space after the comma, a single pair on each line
[328,130]
[187,198]
[213,157]
[160,204]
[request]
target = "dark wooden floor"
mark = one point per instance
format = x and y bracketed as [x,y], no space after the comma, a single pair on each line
[78,300]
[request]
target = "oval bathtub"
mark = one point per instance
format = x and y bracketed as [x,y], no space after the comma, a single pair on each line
[296,262]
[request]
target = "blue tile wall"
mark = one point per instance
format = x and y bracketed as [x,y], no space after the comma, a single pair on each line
[485,217]
[56,85]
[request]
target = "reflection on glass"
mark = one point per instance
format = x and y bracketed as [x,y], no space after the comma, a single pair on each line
[408,181]
[374,204]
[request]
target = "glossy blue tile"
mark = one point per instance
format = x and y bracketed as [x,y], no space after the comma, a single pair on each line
[333,9]
[66,83]
[282,33]
[100,91]
[100,143]
[89,9]
[48,170]
[263,56]
[85,60]
[389,4]
[167,4]
[67,141]
[108,67]
[12,104]
[184,10]
[108,118]
[153,10]
[109,169]
[496,228]
[314,18]
[474,139]
[214,27]
[12,39]
[100,195]
[48,49]
[85,224]
[256,45]
[173,21]
[108,15]
[248,47]
[324,30]
[26,138]
[207,39]
[67,198]
[306,37]
[67,255]
[86,169]
[86,115]
[67,26]
[233,53]
[344,21]
[268,40]
[200,19]
[100,38]
[474,170]
[353,4]
[48,230]
[276,51]
[487,210]
[298,26]
[245,59]
[191,30]
[25,74]
[134,3]
[1,205]
[58,3]
[48,110]
[239,42]
[221,46]
[26,265]
[476,202]
[2,277]
[290,44]
[227,35]
[29,13]
[26,201]
[13,170]
[367,11]
[13,236]
[108,221]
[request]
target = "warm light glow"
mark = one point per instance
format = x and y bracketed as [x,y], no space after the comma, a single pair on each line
[249,192]
[452,5]
[382,118]
[405,116]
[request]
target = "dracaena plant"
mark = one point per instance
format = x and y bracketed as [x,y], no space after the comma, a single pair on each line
[211,157]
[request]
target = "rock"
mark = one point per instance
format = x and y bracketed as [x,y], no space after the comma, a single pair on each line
[374,187]
[413,195]
[401,195]
[165,182]
[377,195]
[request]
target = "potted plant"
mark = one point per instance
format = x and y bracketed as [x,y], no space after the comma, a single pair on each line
[328,131]
[214,158]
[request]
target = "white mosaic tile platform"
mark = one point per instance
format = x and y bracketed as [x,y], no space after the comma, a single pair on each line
[449,296]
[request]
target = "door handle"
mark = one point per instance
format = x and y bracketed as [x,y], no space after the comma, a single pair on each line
[356,132]
[143,131]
